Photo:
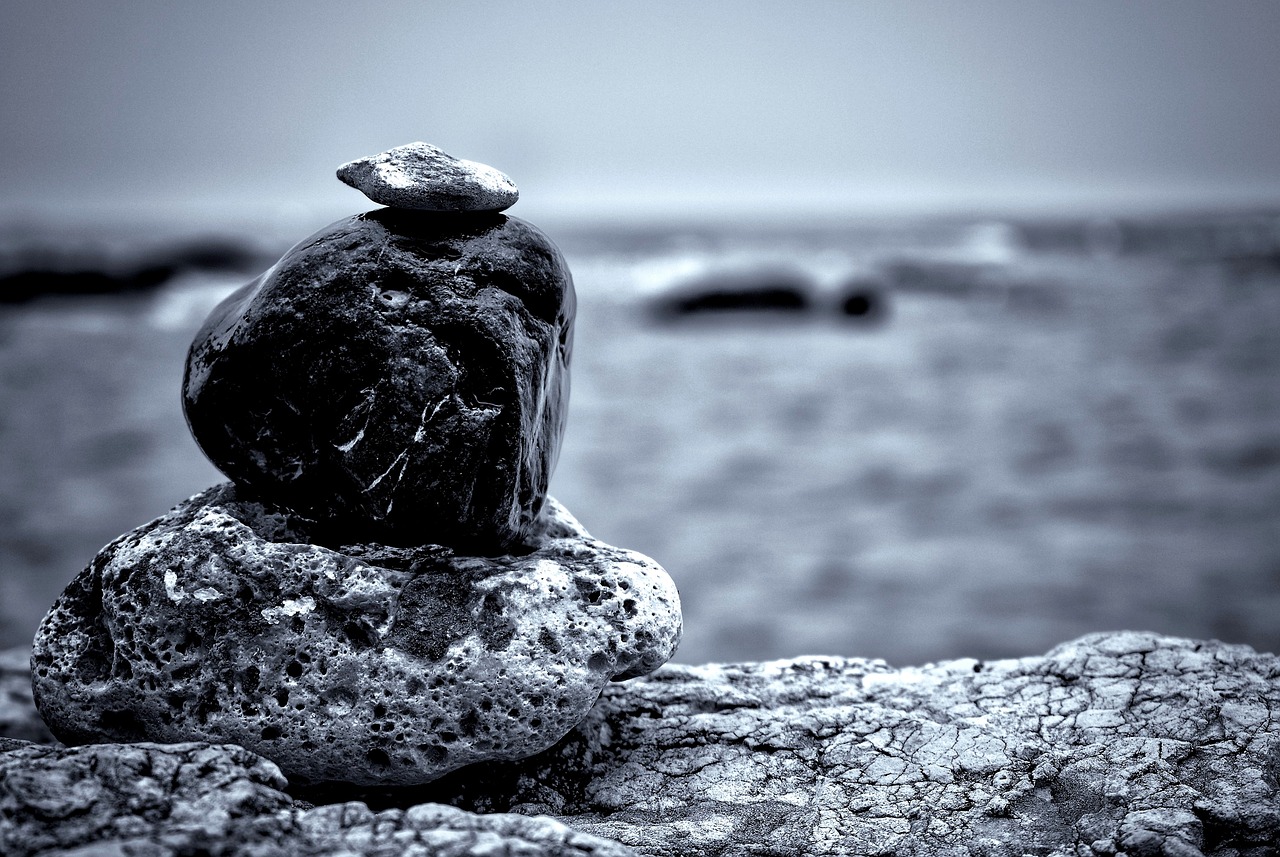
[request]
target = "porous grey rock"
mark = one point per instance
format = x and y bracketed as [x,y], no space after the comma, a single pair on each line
[401,375]
[224,621]
[1112,744]
[423,177]
[1120,743]
[197,799]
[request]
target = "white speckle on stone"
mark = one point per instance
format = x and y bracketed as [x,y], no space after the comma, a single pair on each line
[346,447]
[548,568]
[305,604]
[171,586]
[290,607]
[393,174]
[206,593]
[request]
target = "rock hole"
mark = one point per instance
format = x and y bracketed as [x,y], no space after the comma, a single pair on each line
[282,697]
[378,757]
[598,662]
[121,723]
[95,664]
[294,669]
[357,635]
[184,672]
[548,641]
[270,733]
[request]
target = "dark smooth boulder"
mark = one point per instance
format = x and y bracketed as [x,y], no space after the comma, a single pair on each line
[403,376]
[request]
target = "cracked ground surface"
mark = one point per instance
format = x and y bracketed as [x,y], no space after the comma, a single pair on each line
[1124,743]
[1112,743]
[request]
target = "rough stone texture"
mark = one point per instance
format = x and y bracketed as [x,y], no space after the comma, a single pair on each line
[400,374]
[197,799]
[1112,744]
[422,177]
[1125,743]
[223,621]
[54,798]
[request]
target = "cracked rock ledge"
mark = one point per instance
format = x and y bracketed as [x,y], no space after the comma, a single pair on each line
[1123,743]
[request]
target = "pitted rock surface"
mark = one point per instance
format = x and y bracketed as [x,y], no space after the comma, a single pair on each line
[1122,743]
[401,375]
[423,177]
[1112,744]
[224,621]
[197,799]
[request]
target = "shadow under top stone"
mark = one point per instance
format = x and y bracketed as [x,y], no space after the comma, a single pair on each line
[400,375]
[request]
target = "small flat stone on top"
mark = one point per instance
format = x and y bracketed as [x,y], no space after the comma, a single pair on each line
[422,177]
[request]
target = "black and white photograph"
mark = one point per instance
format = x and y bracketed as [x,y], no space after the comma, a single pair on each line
[669,429]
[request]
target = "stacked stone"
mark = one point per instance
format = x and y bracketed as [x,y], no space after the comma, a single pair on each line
[384,592]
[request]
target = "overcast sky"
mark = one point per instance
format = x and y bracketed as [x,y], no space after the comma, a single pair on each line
[646,108]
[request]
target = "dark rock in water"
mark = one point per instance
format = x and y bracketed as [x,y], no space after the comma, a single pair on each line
[223,621]
[198,799]
[756,290]
[865,302]
[422,177]
[21,286]
[401,375]
[31,271]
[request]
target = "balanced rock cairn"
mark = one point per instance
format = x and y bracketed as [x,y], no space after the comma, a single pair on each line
[384,592]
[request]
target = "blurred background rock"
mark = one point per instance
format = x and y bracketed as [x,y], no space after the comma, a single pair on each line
[907,330]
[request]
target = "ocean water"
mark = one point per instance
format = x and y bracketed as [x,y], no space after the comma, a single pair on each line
[1045,430]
